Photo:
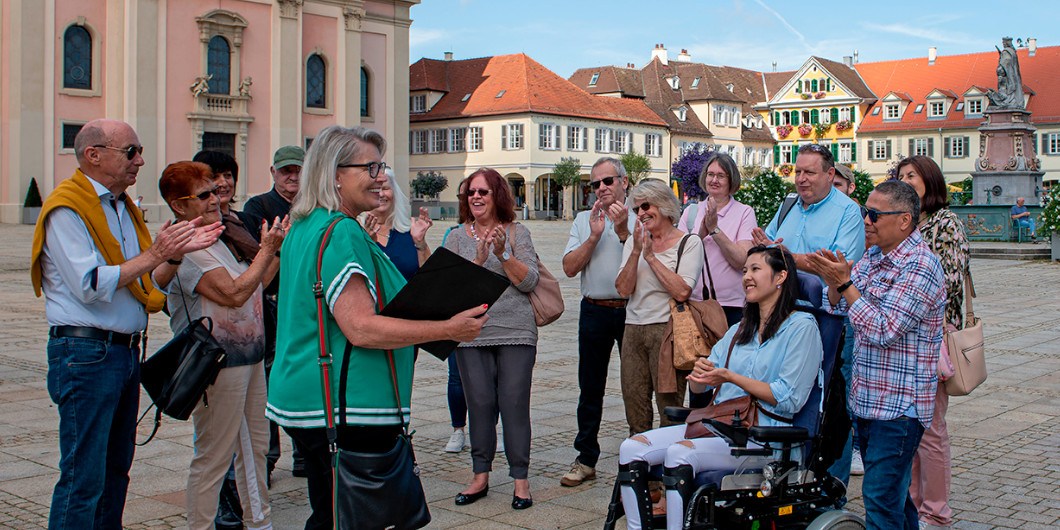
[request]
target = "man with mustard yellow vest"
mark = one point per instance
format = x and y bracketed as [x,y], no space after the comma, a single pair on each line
[99,270]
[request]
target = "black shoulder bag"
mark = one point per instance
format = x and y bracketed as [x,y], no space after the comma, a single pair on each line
[371,490]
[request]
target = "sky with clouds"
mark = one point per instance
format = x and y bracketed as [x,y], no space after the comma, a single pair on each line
[565,35]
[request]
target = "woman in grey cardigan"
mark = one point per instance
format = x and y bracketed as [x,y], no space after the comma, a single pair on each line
[496,367]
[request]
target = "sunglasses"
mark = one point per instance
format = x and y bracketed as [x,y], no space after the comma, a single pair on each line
[606,181]
[373,167]
[481,192]
[130,152]
[874,215]
[202,196]
[643,206]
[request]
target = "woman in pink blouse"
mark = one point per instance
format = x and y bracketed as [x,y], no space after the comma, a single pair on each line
[725,226]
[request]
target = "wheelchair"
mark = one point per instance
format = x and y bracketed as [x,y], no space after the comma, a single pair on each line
[774,489]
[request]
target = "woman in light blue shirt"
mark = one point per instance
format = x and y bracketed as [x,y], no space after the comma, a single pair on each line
[774,354]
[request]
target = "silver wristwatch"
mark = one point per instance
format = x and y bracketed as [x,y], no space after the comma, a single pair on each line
[505,256]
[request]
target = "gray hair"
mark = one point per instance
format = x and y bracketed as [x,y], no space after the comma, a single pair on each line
[91,134]
[619,168]
[333,146]
[728,165]
[659,195]
[902,197]
[400,209]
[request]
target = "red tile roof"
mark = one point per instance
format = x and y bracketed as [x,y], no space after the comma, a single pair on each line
[527,85]
[1041,76]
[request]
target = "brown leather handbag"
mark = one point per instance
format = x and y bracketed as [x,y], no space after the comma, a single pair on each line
[696,325]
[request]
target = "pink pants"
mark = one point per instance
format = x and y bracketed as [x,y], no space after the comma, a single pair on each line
[930,487]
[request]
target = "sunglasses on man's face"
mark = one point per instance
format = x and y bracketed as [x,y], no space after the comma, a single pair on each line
[874,215]
[643,206]
[130,152]
[606,181]
[202,196]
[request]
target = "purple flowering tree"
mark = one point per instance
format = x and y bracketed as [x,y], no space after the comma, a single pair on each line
[685,171]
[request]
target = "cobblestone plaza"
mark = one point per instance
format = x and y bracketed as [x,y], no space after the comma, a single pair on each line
[1005,436]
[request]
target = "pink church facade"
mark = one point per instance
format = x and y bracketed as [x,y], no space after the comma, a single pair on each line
[241,76]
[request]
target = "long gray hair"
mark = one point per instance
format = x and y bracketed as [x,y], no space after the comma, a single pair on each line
[400,209]
[333,146]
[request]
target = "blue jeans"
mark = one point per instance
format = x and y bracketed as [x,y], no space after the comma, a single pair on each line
[599,329]
[97,389]
[455,393]
[887,448]
[1027,222]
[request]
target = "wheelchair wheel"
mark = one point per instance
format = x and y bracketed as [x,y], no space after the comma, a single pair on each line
[837,520]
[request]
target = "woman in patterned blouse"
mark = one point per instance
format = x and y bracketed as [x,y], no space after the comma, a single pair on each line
[944,233]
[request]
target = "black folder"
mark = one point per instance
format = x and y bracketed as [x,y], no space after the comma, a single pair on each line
[445,285]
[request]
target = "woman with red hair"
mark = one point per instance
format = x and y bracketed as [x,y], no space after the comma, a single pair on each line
[497,366]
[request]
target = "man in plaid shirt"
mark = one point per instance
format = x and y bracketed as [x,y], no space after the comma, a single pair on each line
[895,298]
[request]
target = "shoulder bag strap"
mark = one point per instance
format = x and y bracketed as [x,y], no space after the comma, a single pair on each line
[325,357]
[785,207]
[681,250]
[711,294]
[969,287]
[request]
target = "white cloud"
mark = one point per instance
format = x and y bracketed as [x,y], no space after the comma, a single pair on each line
[421,36]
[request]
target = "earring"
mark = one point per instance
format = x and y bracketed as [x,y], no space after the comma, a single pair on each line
[338,186]
[778,287]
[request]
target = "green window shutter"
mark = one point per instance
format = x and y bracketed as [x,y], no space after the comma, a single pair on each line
[853,152]
[813,85]
[946,147]
[852,114]
[795,118]
[835,115]
[828,81]
[798,87]
[776,117]
[815,116]
[776,155]
[835,151]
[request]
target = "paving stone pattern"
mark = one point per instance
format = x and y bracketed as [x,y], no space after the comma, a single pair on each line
[1005,436]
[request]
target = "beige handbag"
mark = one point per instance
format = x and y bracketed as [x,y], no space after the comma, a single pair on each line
[546,298]
[693,335]
[966,349]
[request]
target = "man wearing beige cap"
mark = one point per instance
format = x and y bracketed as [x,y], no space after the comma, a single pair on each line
[844,179]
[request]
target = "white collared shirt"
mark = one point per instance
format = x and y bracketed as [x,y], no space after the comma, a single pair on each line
[69,261]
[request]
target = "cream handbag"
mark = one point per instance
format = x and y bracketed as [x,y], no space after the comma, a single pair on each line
[966,349]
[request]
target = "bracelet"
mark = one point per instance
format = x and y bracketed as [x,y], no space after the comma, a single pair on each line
[424,247]
[843,287]
[175,261]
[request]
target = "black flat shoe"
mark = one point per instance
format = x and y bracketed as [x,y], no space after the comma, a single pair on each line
[519,503]
[465,499]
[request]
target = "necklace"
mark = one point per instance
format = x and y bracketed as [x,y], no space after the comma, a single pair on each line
[474,234]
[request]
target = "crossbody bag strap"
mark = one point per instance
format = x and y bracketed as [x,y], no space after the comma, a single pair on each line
[969,293]
[714,396]
[325,359]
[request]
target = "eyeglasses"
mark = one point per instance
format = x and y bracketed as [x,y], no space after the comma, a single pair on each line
[606,181]
[202,196]
[643,206]
[874,215]
[130,152]
[373,167]
[718,176]
[481,192]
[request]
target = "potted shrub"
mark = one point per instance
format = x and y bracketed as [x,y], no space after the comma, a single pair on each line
[31,208]
[1049,220]
[429,184]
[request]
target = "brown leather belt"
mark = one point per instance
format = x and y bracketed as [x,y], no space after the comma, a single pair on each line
[617,303]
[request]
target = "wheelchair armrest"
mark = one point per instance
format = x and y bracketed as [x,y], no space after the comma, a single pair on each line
[735,435]
[677,413]
[780,434]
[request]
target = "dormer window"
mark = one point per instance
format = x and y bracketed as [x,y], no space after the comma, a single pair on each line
[729,86]
[595,78]
[975,106]
[936,109]
[890,111]
[675,82]
[681,113]
[418,103]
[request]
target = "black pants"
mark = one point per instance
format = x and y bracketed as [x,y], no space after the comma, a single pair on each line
[599,329]
[313,443]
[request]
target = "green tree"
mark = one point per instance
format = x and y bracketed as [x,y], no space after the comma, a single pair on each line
[637,166]
[763,194]
[33,198]
[566,173]
[862,186]
[429,183]
[1049,220]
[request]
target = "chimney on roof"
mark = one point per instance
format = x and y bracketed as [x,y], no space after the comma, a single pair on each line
[1032,47]
[684,57]
[848,60]
[774,66]
[933,53]
[855,57]
[660,52]
[448,56]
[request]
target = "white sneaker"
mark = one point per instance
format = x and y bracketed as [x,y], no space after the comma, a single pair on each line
[857,467]
[456,442]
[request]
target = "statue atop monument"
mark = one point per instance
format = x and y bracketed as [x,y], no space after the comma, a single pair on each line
[1009,93]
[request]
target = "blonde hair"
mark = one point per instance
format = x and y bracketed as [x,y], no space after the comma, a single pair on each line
[659,195]
[333,146]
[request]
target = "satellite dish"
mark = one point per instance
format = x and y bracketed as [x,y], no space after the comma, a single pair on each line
[996,190]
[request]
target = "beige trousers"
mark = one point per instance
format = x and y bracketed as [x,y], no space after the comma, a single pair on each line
[640,376]
[232,422]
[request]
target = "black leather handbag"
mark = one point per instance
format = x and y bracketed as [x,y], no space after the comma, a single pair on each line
[372,490]
[177,375]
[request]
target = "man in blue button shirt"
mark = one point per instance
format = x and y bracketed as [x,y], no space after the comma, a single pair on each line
[822,218]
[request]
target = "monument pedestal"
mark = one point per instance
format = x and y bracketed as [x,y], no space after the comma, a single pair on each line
[1007,167]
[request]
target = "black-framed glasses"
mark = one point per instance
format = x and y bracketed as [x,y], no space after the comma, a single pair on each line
[644,206]
[373,167]
[874,215]
[130,152]
[481,192]
[202,196]
[606,181]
